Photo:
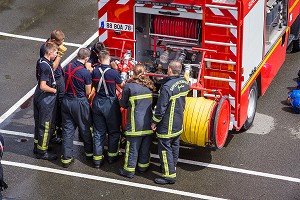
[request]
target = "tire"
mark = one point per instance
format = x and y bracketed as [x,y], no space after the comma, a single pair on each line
[252,105]
[296,45]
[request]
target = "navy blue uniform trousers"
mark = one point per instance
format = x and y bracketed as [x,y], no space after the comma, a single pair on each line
[168,151]
[106,119]
[44,108]
[60,86]
[137,153]
[76,113]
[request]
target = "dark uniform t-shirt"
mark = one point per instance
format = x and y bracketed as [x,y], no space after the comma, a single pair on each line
[93,58]
[80,78]
[112,77]
[44,72]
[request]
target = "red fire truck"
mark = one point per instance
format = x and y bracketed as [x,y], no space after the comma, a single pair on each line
[231,51]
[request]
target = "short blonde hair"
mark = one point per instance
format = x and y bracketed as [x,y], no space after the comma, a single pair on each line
[57,35]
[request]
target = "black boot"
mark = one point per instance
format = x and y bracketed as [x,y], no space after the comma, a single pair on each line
[46,156]
[125,173]
[163,181]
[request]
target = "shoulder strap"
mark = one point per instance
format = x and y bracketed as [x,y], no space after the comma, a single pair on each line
[102,80]
[69,81]
[42,61]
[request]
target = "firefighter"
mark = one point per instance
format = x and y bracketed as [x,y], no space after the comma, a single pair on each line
[137,96]
[57,37]
[168,119]
[76,108]
[106,110]
[44,102]
[94,60]
[3,185]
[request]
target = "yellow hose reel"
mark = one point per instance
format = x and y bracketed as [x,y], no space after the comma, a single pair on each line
[206,121]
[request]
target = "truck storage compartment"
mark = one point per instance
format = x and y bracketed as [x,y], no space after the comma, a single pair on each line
[162,38]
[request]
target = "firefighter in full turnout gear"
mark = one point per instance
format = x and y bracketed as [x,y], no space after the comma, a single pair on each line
[76,108]
[44,102]
[106,110]
[57,37]
[137,97]
[167,121]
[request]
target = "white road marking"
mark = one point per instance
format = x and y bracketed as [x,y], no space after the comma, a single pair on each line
[35,39]
[31,92]
[191,162]
[108,180]
[262,125]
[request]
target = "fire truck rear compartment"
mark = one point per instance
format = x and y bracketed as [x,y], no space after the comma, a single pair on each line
[168,37]
[162,38]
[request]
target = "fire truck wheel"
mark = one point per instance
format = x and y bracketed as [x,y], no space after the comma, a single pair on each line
[221,123]
[296,45]
[252,104]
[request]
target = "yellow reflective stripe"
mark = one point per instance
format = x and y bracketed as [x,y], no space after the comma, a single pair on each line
[129,169]
[116,153]
[181,94]
[126,158]
[66,161]
[142,96]
[42,148]
[165,161]
[98,157]
[171,118]
[155,119]
[113,154]
[35,141]
[169,175]
[143,165]
[132,99]
[132,122]
[46,133]
[169,135]
[138,133]
[88,154]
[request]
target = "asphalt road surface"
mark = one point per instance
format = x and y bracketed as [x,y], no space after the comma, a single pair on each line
[261,163]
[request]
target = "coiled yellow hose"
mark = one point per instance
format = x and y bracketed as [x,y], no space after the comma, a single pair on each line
[198,111]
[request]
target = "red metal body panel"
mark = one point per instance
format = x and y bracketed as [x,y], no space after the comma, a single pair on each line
[294,10]
[268,70]
[275,60]
[123,12]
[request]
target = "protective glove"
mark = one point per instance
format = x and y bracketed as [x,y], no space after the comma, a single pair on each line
[61,50]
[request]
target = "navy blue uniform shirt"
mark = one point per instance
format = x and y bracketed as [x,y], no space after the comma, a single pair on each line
[112,77]
[80,78]
[59,71]
[44,72]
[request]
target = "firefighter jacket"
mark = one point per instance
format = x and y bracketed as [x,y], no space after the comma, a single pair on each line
[138,100]
[168,115]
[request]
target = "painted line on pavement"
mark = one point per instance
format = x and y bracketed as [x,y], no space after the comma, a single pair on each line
[35,39]
[191,162]
[31,92]
[108,180]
